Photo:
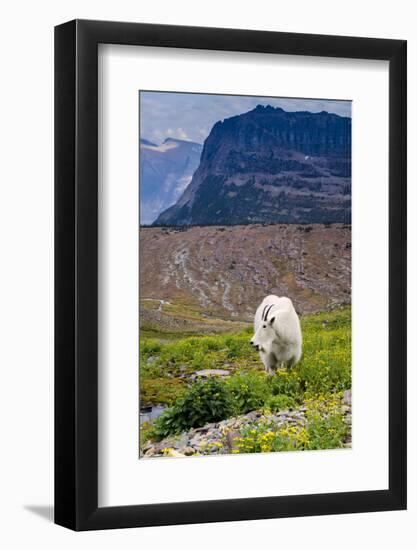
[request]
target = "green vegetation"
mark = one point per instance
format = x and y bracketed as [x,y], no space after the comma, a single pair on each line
[182,319]
[166,366]
[161,390]
[325,428]
[316,383]
[206,401]
[198,352]
[249,391]
[280,402]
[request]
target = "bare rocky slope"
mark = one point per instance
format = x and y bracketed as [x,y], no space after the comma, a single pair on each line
[192,277]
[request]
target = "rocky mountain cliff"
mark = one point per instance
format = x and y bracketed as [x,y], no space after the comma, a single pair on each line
[269,165]
[165,171]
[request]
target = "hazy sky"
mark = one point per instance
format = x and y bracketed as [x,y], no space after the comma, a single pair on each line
[192,116]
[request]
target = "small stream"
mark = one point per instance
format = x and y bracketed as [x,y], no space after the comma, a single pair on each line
[150,413]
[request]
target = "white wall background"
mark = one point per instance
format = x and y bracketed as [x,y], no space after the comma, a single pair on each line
[26,288]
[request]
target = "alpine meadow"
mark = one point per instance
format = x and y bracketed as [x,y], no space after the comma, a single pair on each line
[244,274]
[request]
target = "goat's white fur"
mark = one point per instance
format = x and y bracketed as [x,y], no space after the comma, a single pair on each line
[277,333]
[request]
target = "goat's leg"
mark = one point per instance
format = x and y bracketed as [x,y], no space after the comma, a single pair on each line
[269,362]
[290,364]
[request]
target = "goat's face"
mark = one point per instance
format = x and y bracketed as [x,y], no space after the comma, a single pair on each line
[264,336]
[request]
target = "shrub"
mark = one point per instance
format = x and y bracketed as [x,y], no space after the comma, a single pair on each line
[280,403]
[286,383]
[206,401]
[234,347]
[164,425]
[150,347]
[250,390]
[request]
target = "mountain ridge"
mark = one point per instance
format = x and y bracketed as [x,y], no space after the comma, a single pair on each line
[270,165]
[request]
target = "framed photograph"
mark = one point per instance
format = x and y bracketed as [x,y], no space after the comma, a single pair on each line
[230,247]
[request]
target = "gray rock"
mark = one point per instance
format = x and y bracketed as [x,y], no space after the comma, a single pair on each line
[347,397]
[211,372]
[230,439]
[150,452]
[188,451]
[174,453]
[182,441]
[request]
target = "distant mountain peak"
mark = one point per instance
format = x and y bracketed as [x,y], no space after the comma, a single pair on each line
[165,171]
[178,140]
[267,109]
[144,141]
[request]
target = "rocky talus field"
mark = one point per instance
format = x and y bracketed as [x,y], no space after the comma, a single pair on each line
[211,279]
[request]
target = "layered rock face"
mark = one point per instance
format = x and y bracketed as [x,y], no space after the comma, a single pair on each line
[272,166]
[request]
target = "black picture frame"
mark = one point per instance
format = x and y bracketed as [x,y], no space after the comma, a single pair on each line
[76,272]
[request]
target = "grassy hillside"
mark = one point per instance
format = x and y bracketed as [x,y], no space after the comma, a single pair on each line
[325,366]
[169,376]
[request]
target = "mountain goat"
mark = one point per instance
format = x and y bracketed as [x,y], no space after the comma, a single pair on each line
[277,333]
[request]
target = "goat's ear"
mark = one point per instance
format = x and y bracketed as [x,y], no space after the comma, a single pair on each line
[271,321]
